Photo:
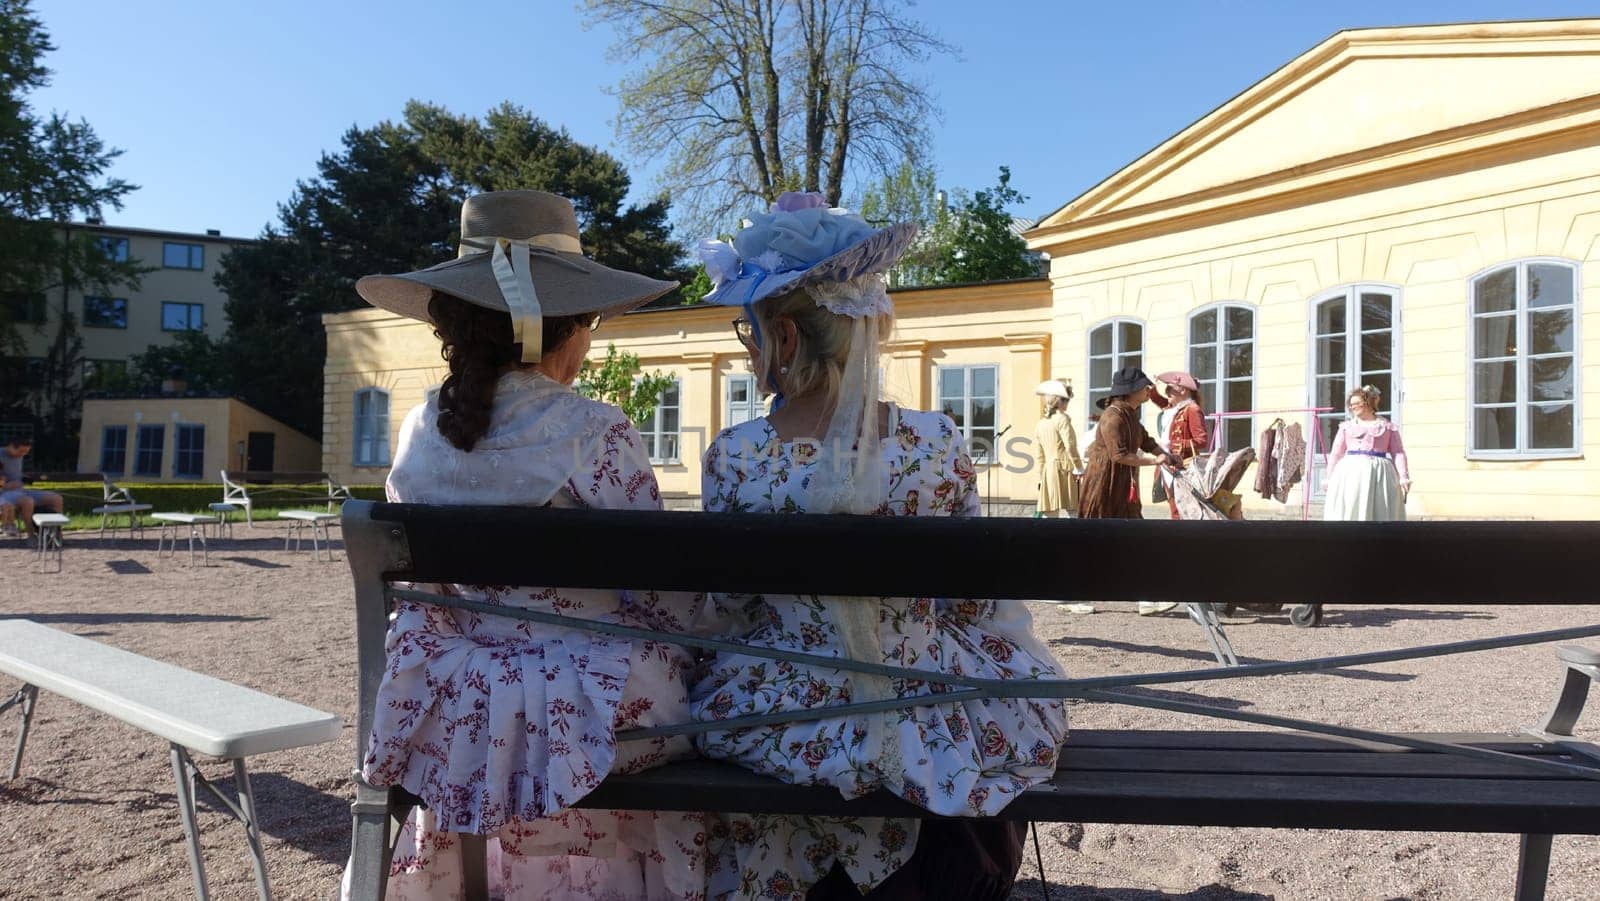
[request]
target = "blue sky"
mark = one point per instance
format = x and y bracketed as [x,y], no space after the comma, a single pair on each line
[220,107]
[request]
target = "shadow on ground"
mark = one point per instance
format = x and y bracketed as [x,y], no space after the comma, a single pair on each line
[93,619]
[1030,889]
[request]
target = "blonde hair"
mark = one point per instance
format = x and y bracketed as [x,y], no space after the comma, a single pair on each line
[822,344]
[1369,395]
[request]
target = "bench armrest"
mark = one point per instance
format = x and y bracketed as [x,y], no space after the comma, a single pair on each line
[1582,669]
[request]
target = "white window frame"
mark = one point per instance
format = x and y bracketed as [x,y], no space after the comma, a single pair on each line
[752,402]
[1390,407]
[178,452]
[1115,323]
[981,455]
[369,429]
[1522,451]
[1217,418]
[655,437]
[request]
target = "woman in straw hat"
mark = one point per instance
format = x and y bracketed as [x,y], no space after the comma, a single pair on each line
[1110,487]
[808,280]
[498,724]
[1183,424]
[1056,452]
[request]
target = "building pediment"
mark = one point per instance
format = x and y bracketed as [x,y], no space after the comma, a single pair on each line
[1359,105]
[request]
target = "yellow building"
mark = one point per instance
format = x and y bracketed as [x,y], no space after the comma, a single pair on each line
[1414,208]
[179,294]
[163,439]
[977,350]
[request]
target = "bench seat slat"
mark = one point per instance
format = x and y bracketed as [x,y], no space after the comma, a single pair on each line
[194,710]
[1356,763]
[1280,801]
[1260,740]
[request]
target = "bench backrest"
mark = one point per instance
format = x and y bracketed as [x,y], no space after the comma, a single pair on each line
[1245,562]
[256,477]
[113,493]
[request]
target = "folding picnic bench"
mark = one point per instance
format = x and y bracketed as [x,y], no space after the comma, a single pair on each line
[118,501]
[244,487]
[190,710]
[1319,775]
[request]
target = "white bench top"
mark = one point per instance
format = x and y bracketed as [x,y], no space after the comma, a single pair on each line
[197,711]
[308,515]
[223,507]
[50,519]
[122,508]
[190,518]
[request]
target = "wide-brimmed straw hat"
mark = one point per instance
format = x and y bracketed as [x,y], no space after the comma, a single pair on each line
[519,253]
[800,241]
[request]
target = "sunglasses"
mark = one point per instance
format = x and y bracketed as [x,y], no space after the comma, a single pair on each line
[745,331]
[593,321]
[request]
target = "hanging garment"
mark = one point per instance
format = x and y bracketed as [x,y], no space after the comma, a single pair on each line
[1266,473]
[1291,452]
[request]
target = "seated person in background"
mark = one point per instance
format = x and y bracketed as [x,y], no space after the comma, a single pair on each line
[13,493]
[501,725]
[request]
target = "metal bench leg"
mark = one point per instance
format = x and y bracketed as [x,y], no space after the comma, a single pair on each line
[181,771]
[474,867]
[252,828]
[26,696]
[370,845]
[1533,867]
[1221,647]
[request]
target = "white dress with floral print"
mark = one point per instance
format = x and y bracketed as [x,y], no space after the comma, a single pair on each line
[499,724]
[960,759]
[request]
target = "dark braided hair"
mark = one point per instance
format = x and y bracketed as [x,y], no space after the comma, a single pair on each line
[477,344]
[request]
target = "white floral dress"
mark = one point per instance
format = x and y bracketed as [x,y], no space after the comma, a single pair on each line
[499,724]
[962,759]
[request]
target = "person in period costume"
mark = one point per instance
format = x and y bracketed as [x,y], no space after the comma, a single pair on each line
[808,282]
[501,725]
[1110,487]
[1368,476]
[1055,451]
[1182,424]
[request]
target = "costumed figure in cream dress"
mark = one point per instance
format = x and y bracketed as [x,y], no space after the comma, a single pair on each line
[1055,451]
[501,725]
[1368,476]
[808,280]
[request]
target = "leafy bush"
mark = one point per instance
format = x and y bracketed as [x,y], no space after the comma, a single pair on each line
[189,497]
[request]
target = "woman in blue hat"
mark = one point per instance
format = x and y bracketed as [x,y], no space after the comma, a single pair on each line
[808,281]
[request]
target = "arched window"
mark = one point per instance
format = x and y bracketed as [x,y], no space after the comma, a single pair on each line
[1523,385]
[371,427]
[1222,359]
[1113,344]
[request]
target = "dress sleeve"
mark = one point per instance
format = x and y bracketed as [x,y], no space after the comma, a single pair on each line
[1340,445]
[1069,438]
[959,473]
[617,475]
[718,480]
[1401,465]
[1195,422]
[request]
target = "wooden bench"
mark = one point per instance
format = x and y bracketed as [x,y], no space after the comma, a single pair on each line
[1321,776]
[189,710]
[244,487]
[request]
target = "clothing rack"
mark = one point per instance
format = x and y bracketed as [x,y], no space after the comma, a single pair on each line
[1311,458]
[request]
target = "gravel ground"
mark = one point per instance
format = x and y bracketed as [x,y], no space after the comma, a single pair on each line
[93,815]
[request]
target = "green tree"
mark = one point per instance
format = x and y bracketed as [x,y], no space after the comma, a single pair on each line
[389,201]
[616,380]
[983,244]
[747,99]
[52,172]
[192,356]
[911,194]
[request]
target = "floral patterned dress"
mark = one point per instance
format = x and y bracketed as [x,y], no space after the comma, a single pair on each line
[961,759]
[499,724]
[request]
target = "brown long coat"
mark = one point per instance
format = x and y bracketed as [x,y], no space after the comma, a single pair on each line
[1109,489]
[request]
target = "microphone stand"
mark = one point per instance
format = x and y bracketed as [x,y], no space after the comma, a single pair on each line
[994,460]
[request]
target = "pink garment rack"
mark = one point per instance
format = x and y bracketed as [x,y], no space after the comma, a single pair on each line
[1311,458]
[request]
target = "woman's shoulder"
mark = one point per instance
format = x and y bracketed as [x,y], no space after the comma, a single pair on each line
[925,427]
[751,431]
